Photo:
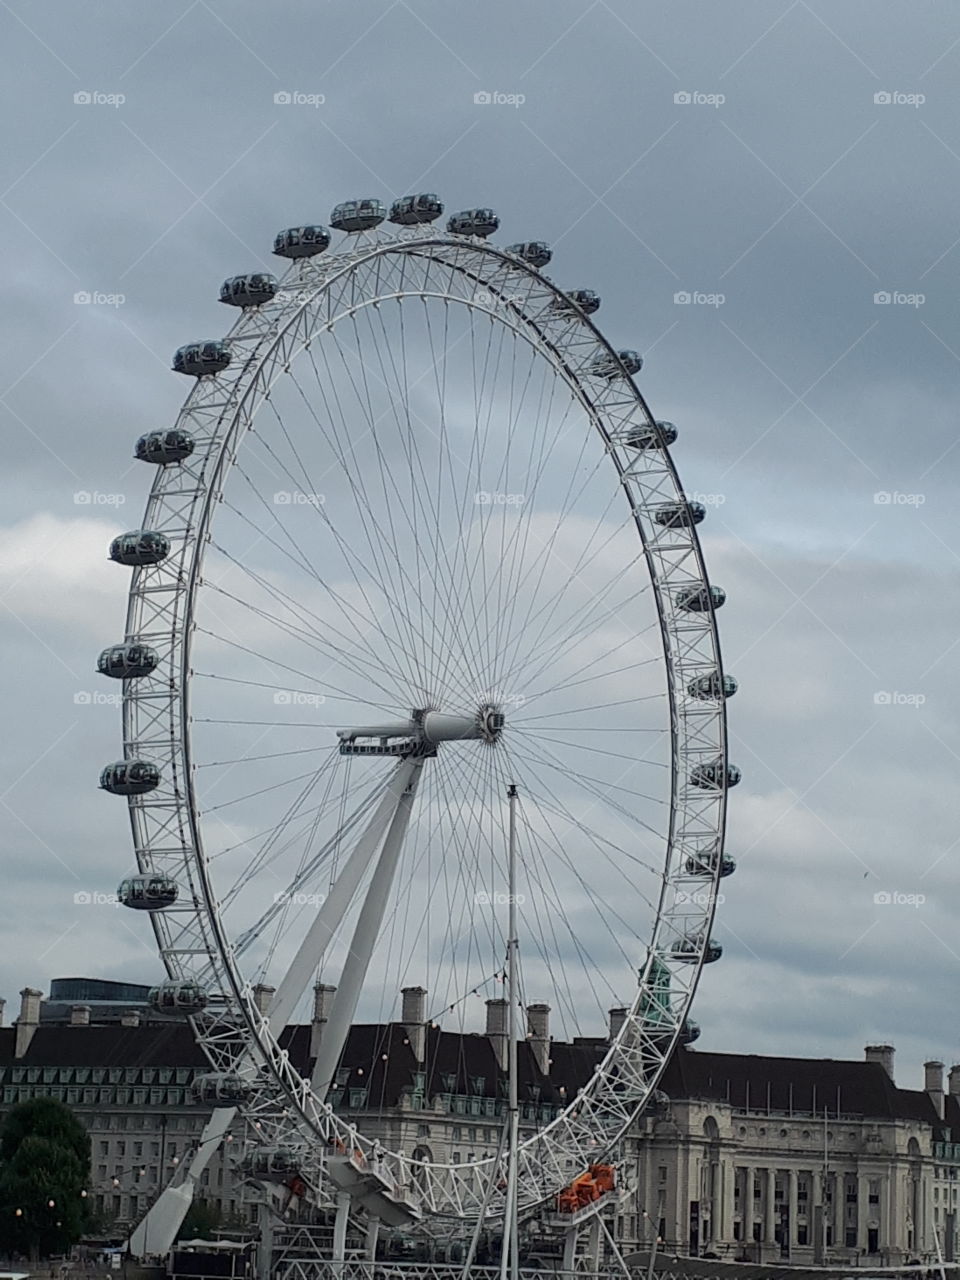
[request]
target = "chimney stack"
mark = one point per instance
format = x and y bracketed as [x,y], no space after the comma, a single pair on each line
[933,1084]
[323,995]
[28,1020]
[882,1053]
[414,1015]
[497,1029]
[80,1015]
[262,995]
[538,1035]
[3,1005]
[953,1081]
[618,1017]
[131,1018]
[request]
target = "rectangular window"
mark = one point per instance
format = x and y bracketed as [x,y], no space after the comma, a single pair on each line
[850,1237]
[662,1174]
[802,1233]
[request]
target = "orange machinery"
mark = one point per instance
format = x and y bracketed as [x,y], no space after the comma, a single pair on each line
[585,1188]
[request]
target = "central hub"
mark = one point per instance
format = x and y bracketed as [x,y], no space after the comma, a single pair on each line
[423,732]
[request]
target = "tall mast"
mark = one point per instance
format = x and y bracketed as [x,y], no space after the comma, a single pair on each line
[510,1255]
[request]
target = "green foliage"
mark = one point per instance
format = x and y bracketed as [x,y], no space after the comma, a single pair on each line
[44,1157]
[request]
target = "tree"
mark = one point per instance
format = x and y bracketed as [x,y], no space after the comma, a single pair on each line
[44,1172]
[201,1221]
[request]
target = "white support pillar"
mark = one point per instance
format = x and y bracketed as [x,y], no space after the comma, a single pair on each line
[340,1226]
[366,932]
[792,1206]
[332,909]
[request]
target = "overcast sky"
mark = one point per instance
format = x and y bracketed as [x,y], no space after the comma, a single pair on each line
[790,168]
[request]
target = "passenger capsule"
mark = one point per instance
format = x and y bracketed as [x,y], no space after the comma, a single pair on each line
[200,358]
[162,447]
[249,291]
[680,515]
[705,864]
[711,688]
[690,1031]
[127,661]
[148,892]
[272,1164]
[473,222]
[699,599]
[140,547]
[178,995]
[220,1089]
[688,950]
[615,366]
[409,211]
[651,435]
[584,300]
[534,252]
[301,242]
[358,215]
[130,777]
[710,776]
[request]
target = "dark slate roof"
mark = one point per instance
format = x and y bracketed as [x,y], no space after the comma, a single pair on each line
[8,1040]
[171,1045]
[749,1081]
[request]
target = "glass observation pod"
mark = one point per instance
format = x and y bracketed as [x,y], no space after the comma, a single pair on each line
[584,300]
[473,222]
[127,661]
[272,1164]
[711,688]
[301,242]
[197,359]
[680,515]
[220,1089]
[651,435]
[705,864]
[710,776]
[699,599]
[358,215]
[690,1031]
[130,777]
[409,211]
[178,995]
[251,290]
[148,892]
[535,252]
[140,547]
[688,950]
[615,366]
[164,446]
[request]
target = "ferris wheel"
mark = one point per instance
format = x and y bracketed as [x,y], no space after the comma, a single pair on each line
[414,539]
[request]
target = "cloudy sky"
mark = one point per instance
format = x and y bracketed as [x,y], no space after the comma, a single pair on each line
[763,191]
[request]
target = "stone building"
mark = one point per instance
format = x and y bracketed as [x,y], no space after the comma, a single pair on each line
[757,1158]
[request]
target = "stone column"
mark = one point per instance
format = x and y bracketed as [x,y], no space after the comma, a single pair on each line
[769,1214]
[729,1174]
[792,1207]
[863,1209]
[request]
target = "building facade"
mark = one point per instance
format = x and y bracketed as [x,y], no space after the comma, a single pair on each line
[786,1160]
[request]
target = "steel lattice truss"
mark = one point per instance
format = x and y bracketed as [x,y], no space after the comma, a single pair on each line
[316,295]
